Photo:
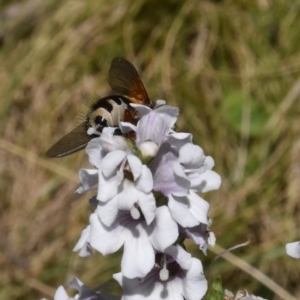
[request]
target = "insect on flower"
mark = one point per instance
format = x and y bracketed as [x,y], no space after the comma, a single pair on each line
[108,111]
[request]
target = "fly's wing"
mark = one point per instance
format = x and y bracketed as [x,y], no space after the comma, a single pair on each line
[74,141]
[124,80]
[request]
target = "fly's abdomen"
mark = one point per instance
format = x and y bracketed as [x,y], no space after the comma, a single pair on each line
[108,112]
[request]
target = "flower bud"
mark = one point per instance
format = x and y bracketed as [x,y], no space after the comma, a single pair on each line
[149,149]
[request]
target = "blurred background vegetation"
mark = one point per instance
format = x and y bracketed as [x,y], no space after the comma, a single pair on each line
[233,69]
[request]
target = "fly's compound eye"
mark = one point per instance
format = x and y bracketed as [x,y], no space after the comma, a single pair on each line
[101,122]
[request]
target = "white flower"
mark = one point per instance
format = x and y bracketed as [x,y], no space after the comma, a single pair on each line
[147,183]
[154,125]
[176,275]
[293,249]
[168,175]
[200,235]
[148,149]
[97,149]
[139,238]
[184,164]
[112,181]
[175,178]
[244,295]
[178,170]
[198,167]
[84,293]
[189,210]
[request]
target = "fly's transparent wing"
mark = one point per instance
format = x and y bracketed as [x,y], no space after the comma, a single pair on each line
[74,141]
[124,80]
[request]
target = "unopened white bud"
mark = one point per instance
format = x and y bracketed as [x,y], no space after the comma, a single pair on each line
[149,149]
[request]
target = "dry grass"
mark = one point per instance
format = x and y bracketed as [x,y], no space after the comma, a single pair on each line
[232,67]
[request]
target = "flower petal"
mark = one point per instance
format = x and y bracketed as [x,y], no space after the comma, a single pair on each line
[147,205]
[105,239]
[179,208]
[127,127]
[61,294]
[135,166]
[146,131]
[191,156]
[174,290]
[195,284]
[75,283]
[178,139]
[88,179]
[182,257]
[142,109]
[111,162]
[198,207]
[84,293]
[181,179]
[169,182]
[108,211]
[205,182]
[107,188]
[138,255]
[169,113]
[293,249]
[159,103]
[200,235]
[145,182]
[137,289]
[109,142]
[165,229]
[83,243]
[209,162]
[129,195]
[93,150]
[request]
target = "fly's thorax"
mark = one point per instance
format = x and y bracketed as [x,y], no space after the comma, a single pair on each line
[107,112]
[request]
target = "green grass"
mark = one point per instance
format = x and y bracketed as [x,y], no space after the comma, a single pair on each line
[232,67]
